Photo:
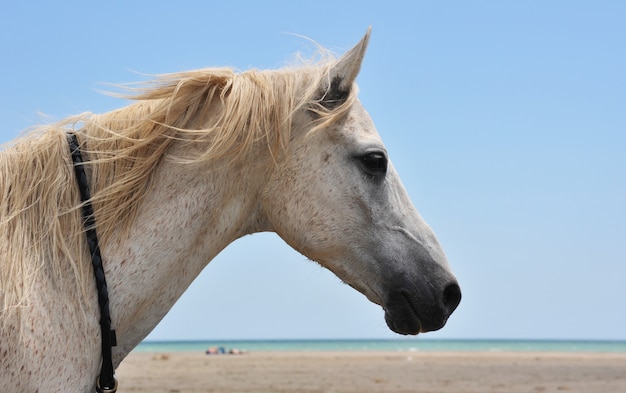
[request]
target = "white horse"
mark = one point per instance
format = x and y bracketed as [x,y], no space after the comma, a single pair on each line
[200,159]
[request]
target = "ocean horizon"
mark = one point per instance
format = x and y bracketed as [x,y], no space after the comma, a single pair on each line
[408,345]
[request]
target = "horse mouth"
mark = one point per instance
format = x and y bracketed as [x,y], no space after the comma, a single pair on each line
[401,316]
[408,315]
[409,310]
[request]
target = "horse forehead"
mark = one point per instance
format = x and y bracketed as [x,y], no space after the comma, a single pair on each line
[357,124]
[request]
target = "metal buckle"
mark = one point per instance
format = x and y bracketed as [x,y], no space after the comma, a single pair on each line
[112,389]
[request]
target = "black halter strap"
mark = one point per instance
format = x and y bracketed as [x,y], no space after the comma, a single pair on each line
[106,382]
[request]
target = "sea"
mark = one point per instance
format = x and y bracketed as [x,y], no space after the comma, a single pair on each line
[407,345]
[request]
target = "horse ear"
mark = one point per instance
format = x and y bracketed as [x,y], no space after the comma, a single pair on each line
[343,73]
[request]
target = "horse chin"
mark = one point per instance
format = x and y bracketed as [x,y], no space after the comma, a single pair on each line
[406,327]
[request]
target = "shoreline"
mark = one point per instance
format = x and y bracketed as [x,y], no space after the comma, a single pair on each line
[374,372]
[422,344]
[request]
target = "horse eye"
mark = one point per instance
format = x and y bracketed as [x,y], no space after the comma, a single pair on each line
[374,163]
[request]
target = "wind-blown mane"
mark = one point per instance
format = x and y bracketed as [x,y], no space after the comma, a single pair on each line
[214,114]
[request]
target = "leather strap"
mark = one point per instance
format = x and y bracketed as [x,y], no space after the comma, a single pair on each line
[106,382]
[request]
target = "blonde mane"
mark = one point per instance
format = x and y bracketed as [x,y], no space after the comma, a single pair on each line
[216,114]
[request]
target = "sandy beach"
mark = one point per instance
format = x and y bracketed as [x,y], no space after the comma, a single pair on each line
[373,372]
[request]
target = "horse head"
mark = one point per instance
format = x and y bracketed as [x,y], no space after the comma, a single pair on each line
[335,197]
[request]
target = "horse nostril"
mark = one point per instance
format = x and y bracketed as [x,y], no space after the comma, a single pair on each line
[452,297]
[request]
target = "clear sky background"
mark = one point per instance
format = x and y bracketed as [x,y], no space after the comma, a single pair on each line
[505,119]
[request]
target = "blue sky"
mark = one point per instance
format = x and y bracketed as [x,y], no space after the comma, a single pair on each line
[506,121]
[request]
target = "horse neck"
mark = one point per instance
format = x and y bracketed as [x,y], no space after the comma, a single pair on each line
[187,217]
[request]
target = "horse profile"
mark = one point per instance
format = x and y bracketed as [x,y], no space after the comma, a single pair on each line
[200,159]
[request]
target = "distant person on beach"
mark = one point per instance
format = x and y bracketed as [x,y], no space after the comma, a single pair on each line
[222,351]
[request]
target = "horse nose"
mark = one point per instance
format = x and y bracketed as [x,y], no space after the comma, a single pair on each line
[452,297]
